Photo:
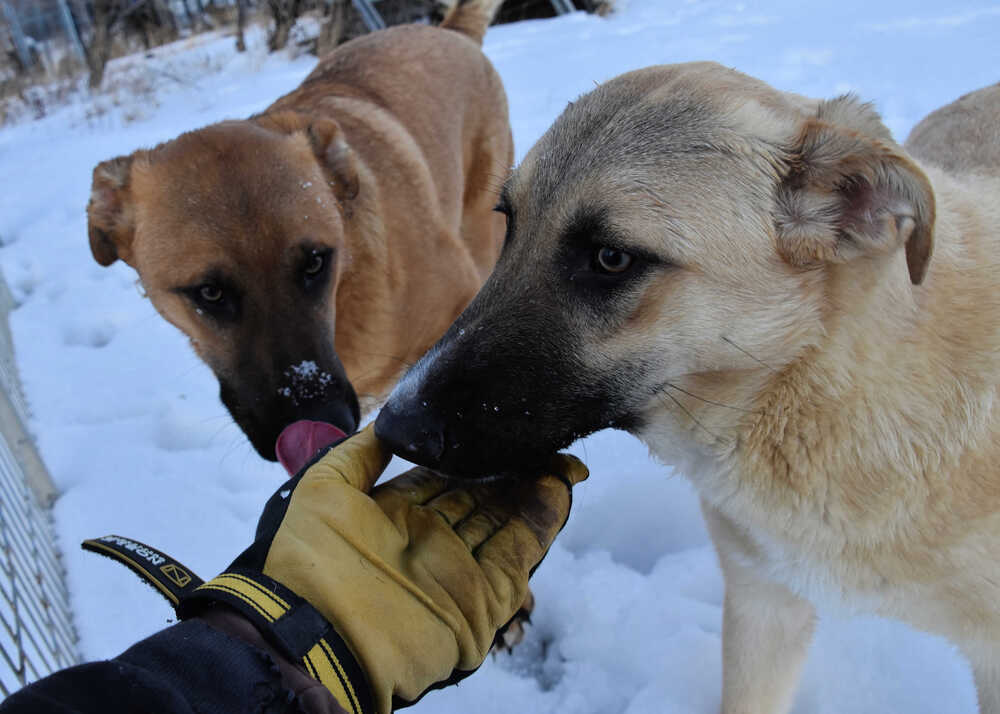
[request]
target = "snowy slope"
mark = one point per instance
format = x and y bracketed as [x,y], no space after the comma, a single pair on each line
[628,616]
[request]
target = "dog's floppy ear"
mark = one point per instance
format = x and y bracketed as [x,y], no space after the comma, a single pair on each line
[327,139]
[851,191]
[110,222]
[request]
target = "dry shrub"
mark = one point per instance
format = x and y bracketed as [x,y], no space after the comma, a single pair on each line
[131,83]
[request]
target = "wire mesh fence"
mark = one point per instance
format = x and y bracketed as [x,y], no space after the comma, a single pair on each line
[36,625]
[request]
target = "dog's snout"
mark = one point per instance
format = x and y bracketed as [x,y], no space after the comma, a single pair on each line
[416,435]
[343,412]
[308,390]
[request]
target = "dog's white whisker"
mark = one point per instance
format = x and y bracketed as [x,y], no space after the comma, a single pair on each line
[755,359]
[710,401]
[690,416]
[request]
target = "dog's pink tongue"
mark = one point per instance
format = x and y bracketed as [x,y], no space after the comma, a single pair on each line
[299,442]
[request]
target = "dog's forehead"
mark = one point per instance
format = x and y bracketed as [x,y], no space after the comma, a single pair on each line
[228,186]
[659,119]
[678,154]
[229,161]
[613,127]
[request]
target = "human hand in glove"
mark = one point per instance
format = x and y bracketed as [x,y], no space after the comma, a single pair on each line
[384,593]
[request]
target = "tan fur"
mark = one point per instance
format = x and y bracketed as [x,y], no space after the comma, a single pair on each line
[389,155]
[865,473]
[963,137]
[820,340]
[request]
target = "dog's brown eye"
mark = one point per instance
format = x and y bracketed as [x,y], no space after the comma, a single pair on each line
[315,263]
[210,293]
[612,260]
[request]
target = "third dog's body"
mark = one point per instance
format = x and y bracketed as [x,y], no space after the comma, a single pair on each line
[778,298]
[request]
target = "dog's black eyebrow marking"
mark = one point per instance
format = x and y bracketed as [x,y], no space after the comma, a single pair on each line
[589,225]
[592,226]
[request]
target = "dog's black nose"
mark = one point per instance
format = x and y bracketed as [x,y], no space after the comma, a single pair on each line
[416,435]
[344,413]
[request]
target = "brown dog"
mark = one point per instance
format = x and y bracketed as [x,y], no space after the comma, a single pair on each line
[744,279]
[313,251]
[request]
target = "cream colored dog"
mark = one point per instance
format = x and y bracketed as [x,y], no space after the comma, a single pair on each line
[778,298]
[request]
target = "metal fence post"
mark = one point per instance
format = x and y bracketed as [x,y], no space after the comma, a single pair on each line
[17,35]
[70,27]
[80,16]
[369,15]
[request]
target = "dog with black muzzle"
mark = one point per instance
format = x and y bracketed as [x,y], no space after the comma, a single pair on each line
[313,251]
[744,279]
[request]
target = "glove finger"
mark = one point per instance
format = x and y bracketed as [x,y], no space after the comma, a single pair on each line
[540,513]
[541,507]
[453,505]
[533,512]
[479,526]
[359,461]
[569,468]
[416,486]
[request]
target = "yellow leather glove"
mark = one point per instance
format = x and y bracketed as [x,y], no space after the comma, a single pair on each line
[384,595]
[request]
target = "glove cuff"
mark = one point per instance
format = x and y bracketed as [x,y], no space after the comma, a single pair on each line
[291,625]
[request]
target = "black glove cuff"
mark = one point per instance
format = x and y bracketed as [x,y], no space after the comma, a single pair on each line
[287,621]
[293,626]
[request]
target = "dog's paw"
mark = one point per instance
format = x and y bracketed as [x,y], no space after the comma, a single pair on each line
[510,635]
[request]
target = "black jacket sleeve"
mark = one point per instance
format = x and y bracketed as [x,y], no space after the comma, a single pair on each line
[189,668]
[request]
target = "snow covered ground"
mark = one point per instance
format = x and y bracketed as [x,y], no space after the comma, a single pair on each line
[628,616]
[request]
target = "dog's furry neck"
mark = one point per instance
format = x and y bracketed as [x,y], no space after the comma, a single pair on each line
[871,425]
[828,440]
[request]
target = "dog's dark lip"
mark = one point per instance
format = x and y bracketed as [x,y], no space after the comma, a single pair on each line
[487,478]
[509,477]
[263,447]
[480,479]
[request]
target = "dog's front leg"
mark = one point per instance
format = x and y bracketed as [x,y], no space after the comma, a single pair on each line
[986,673]
[512,634]
[766,630]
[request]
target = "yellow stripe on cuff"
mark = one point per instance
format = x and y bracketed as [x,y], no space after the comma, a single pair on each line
[343,675]
[272,596]
[321,661]
[269,605]
[323,665]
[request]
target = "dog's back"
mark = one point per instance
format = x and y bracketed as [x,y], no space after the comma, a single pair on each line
[962,137]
